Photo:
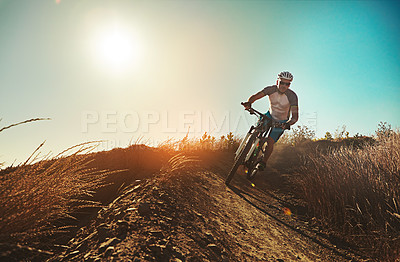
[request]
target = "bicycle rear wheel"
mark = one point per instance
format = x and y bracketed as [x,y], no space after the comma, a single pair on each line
[240,158]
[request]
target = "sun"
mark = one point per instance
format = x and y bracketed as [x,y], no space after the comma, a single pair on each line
[117,49]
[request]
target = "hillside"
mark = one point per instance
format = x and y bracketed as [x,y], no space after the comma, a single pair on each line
[190,215]
[161,205]
[185,212]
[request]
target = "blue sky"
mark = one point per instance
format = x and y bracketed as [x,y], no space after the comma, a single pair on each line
[187,65]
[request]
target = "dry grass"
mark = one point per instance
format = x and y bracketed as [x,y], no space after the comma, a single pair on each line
[181,163]
[23,122]
[36,198]
[136,162]
[205,143]
[355,192]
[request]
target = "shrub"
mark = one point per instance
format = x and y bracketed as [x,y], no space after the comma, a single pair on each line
[205,142]
[297,135]
[384,130]
[328,136]
[341,133]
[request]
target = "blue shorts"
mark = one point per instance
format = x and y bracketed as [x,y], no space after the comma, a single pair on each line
[276,132]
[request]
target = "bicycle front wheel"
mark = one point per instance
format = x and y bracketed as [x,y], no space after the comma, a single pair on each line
[241,156]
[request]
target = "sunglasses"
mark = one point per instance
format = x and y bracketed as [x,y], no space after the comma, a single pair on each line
[284,83]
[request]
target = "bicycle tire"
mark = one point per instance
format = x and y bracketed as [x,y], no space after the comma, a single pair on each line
[240,158]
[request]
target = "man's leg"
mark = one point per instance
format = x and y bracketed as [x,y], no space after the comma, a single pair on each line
[267,153]
[269,148]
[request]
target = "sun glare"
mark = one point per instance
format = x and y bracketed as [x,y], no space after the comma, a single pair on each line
[117,49]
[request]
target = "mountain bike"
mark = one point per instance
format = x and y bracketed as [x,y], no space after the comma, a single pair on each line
[251,150]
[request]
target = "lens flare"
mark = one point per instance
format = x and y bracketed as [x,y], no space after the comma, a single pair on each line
[287,211]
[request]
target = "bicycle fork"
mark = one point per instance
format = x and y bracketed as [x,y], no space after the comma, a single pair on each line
[244,142]
[252,149]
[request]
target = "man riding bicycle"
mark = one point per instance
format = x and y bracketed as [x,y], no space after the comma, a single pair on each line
[283,108]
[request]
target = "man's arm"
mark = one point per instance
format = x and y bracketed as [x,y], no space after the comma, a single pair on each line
[295,115]
[254,98]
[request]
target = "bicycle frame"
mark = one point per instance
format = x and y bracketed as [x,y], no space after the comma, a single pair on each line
[247,153]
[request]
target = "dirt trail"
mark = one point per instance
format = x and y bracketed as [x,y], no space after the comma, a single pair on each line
[192,216]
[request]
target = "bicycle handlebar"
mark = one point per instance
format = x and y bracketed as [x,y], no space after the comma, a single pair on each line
[254,111]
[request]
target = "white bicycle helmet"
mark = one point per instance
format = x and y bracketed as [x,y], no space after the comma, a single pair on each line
[285,75]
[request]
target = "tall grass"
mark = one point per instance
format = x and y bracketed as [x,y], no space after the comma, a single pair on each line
[35,198]
[355,192]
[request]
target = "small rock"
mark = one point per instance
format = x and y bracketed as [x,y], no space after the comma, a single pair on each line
[157,249]
[108,243]
[123,224]
[198,214]
[214,248]
[157,233]
[209,234]
[109,251]
[209,238]
[177,252]
[103,231]
[163,242]
[144,208]
[122,228]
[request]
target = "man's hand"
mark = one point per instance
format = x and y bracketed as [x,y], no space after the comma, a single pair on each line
[247,105]
[286,126]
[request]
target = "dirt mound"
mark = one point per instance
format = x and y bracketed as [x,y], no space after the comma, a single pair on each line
[157,220]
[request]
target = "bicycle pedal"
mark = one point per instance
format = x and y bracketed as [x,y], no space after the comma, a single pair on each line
[261,166]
